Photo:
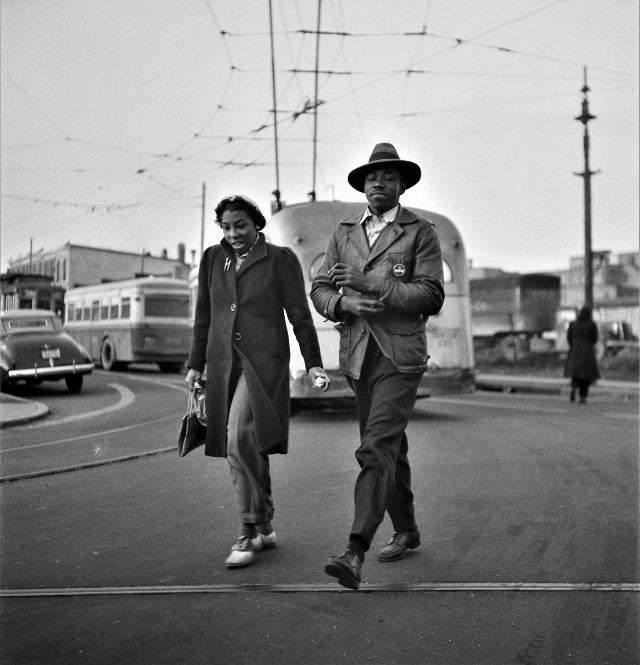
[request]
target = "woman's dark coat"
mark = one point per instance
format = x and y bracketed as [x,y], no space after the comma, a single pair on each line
[582,336]
[244,311]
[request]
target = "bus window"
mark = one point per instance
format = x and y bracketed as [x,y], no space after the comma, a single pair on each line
[71,312]
[86,313]
[95,310]
[166,305]
[104,312]
[113,311]
[125,308]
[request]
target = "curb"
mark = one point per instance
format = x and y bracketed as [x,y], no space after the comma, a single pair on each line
[513,384]
[18,411]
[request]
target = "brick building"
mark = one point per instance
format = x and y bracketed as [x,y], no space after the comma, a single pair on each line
[78,265]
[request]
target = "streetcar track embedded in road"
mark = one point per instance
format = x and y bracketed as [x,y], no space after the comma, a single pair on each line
[79,437]
[87,465]
[393,587]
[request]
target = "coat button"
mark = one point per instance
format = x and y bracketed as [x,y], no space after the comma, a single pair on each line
[233,307]
[237,336]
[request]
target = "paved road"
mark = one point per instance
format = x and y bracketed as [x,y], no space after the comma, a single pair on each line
[528,506]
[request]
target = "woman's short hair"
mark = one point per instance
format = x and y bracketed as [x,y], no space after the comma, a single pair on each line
[244,203]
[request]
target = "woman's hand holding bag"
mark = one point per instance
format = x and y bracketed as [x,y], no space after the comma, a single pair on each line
[193,429]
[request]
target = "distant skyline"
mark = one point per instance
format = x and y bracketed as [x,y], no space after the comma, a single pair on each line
[115,113]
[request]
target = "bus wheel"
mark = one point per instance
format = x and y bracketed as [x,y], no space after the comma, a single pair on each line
[172,368]
[74,383]
[107,355]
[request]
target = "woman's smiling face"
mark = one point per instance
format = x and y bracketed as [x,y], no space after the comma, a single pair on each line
[239,230]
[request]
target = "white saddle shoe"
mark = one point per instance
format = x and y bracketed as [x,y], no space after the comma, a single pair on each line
[242,553]
[264,541]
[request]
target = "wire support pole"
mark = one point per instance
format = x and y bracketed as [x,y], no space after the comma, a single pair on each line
[312,194]
[276,192]
[203,216]
[584,118]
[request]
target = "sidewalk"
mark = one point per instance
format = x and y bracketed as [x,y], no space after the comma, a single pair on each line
[17,411]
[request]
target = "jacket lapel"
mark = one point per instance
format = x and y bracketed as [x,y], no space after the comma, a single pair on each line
[359,247]
[388,236]
[226,269]
[391,233]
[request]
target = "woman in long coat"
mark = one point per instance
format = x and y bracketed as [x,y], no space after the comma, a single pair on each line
[245,287]
[582,365]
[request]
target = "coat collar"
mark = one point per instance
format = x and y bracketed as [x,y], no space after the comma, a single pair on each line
[258,253]
[404,216]
[386,238]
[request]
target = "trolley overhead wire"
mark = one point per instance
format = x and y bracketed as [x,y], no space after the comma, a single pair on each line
[179,155]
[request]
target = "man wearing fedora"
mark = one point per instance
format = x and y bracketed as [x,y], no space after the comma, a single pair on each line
[380,280]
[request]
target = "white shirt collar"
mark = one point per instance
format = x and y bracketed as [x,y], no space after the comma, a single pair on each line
[388,216]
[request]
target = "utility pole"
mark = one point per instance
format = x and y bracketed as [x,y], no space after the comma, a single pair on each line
[584,118]
[312,193]
[276,191]
[203,215]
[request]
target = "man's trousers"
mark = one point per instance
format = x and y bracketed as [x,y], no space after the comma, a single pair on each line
[385,399]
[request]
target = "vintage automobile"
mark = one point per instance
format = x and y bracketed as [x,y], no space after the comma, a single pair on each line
[35,348]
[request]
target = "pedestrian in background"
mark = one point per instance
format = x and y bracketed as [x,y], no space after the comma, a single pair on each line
[380,280]
[245,287]
[582,366]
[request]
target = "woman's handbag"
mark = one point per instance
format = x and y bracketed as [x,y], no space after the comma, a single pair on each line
[193,427]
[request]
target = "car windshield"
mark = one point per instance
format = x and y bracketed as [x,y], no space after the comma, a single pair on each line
[31,324]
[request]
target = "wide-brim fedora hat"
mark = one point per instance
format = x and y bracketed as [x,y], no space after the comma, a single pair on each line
[384,154]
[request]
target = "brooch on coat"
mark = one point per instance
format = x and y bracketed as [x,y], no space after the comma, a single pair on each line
[399,270]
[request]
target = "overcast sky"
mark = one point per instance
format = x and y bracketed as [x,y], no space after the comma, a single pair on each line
[115,112]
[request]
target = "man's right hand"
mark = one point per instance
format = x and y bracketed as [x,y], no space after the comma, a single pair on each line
[360,305]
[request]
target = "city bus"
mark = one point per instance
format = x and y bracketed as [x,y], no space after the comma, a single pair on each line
[306,227]
[142,320]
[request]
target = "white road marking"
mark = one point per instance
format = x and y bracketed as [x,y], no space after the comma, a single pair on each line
[126,398]
[167,383]
[467,587]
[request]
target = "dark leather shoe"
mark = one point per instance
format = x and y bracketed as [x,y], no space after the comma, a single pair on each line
[400,542]
[346,568]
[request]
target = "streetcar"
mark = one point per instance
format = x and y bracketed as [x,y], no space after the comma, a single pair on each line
[306,227]
[141,320]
